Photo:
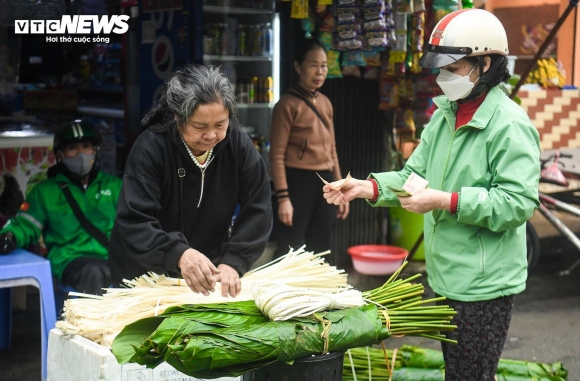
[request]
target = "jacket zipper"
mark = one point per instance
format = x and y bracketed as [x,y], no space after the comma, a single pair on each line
[482,247]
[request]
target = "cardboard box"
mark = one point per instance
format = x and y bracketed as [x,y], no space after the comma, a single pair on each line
[74,358]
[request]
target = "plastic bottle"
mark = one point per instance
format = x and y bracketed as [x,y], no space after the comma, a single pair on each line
[268,89]
[241,48]
[267,40]
[254,90]
[223,40]
[258,40]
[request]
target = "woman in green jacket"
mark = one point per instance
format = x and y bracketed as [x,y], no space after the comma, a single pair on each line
[480,154]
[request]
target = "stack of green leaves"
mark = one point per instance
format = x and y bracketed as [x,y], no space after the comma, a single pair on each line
[421,364]
[229,339]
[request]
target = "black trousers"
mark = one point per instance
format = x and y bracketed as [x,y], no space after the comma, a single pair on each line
[88,275]
[482,329]
[313,216]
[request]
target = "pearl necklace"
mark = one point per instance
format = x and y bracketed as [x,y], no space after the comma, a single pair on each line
[202,167]
[198,165]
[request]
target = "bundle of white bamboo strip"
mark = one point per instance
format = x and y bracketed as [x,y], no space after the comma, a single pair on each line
[101,318]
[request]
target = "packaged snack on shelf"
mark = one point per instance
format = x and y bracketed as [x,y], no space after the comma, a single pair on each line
[419,6]
[404,6]
[400,20]
[376,39]
[347,15]
[351,71]
[442,8]
[389,93]
[299,9]
[348,32]
[327,21]
[372,58]
[375,25]
[400,44]
[353,58]
[333,60]
[387,66]
[346,3]
[325,38]
[373,13]
[373,3]
[349,44]
[371,72]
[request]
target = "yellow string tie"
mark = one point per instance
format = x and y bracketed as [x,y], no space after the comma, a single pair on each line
[387,360]
[387,319]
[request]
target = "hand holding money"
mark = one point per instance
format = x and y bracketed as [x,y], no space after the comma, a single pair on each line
[342,191]
[415,183]
[337,184]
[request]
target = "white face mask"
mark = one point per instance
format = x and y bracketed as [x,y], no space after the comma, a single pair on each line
[455,86]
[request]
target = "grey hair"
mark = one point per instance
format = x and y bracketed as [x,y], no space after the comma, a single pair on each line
[188,88]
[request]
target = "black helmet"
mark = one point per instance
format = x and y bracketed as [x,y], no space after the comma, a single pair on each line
[76,131]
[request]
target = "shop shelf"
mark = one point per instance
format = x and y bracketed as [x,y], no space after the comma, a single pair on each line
[235,11]
[236,58]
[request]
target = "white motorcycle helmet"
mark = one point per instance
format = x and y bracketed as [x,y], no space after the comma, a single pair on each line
[464,33]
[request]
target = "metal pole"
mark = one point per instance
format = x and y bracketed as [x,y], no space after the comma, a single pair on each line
[572,4]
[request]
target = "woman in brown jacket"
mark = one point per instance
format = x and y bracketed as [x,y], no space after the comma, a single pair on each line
[303,144]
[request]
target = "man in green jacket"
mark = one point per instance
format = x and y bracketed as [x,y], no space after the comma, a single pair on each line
[77,257]
[480,155]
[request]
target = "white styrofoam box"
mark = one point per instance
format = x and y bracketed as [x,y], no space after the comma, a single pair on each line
[74,358]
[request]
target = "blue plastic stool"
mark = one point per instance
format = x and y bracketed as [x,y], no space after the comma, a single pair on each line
[22,268]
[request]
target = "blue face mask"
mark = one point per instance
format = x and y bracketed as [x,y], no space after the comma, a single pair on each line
[80,164]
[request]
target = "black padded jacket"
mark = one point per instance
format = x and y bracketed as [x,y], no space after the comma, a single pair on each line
[159,214]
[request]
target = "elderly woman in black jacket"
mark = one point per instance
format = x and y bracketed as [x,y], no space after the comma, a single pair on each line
[186,174]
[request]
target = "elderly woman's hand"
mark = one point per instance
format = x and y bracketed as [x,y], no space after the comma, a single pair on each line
[426,200]
[230,280]
[198,272]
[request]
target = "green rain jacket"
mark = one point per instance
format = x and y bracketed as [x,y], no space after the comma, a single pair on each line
[493,162]
[46,211]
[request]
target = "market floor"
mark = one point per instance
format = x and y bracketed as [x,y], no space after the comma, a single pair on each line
[545,325]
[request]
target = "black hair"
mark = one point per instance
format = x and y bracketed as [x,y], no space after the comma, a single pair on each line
[497,73]
[305,45]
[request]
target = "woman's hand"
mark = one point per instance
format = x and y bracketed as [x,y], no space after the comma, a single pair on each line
[285,211]
[198,271]
[343,210]
[349,191]
[230,280]
[426,200]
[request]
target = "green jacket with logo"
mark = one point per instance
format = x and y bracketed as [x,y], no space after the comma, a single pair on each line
[47,212]
[493,162]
